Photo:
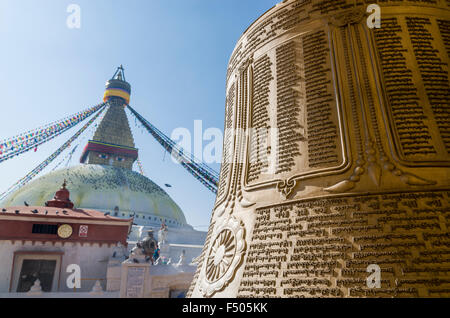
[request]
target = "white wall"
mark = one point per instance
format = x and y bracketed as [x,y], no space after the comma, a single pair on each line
[185,235]
[92,260]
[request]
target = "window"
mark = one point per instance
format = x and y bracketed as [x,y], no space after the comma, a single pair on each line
[33,269]
[44,229]
[29,266]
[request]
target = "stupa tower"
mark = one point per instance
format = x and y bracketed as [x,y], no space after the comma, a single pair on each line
[113,142]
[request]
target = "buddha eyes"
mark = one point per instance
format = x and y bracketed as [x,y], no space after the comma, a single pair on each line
[103,156]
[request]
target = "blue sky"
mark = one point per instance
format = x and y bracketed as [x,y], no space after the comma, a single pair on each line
[175,54]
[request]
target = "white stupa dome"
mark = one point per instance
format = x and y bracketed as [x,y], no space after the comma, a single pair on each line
[121,192]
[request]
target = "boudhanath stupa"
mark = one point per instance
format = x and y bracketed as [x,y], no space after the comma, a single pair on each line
[104,181]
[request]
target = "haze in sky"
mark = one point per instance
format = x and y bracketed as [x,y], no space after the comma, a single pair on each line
[175,54]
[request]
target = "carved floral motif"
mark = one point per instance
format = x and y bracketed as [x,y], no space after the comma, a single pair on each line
[224,256]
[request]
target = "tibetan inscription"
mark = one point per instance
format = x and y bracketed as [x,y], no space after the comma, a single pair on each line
[260,121]
[290,129]
[297,76]
[417,89]
[322,124]
[322,247]
[135,282]
[228,142]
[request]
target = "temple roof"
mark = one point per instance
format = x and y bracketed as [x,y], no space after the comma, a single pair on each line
[46,212]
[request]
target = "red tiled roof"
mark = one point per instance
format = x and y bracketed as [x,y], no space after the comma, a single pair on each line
[39,211]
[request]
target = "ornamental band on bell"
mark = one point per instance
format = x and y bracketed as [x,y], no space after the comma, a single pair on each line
[224,256]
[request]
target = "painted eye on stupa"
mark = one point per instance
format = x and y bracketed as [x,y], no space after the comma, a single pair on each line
[103,156]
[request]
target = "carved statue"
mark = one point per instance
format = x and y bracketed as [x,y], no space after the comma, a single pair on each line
[182,260]
[162,233]
[137,253]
